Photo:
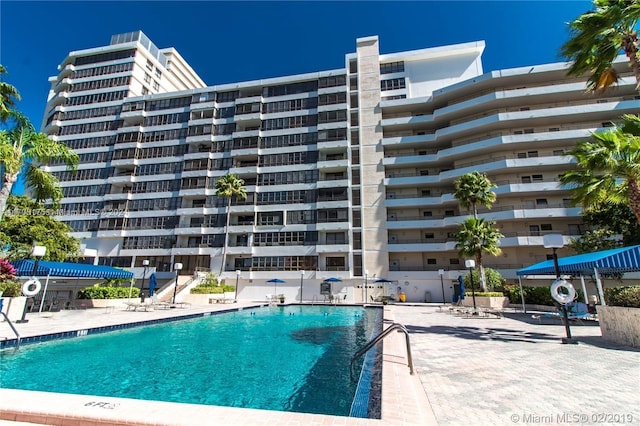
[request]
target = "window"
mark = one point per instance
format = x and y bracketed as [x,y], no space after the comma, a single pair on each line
[392,67]
[448,213]
[454,261]
[546,227]
[393,84]
[431,262]
[534,230]
[156,86]
[147,78]
[429,235]
[149,64]
[427,214]
[541,202]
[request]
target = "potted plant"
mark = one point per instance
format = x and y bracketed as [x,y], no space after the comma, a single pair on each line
[281,298]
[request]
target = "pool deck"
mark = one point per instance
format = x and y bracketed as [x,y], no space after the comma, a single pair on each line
[494,371]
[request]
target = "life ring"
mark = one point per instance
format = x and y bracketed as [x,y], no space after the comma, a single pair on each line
[563,297]
[31,287]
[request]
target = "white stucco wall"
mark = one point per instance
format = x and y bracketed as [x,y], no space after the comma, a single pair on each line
[426,75]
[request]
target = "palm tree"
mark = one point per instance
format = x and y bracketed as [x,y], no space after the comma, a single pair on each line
[229,186]
[598,37]
[8,96]
[22,146]
[608,167]
[475,237]
[472,189]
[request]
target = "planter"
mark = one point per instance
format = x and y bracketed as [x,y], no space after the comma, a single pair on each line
[104,303]
[13,307]
[486,302]
[620,325]
[209,298]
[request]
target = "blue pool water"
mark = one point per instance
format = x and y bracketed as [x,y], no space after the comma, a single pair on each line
[276,358]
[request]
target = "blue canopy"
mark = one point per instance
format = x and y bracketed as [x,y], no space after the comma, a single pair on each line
[620,260]
[24,267]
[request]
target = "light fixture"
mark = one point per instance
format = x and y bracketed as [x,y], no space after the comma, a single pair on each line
[470,263]
[441,273]
[554,242]
[235,298]
[177,267]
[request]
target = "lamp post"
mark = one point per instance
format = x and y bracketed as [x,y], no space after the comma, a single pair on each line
[301,281]
[145,264]
[366,279]
[177,267]
[441,273]
[235,298]
[37,252]
[554,242]
[470,263]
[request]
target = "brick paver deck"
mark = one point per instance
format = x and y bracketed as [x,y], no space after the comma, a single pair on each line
[470,371]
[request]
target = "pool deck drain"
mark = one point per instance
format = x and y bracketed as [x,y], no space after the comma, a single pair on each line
[404,401]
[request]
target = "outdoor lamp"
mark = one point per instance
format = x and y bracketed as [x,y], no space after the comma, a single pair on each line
[145,264]
[37,252]
[177,267]
[366,276]
[470,263]
[235,299]
[301,280]
[441,273]
[554,242]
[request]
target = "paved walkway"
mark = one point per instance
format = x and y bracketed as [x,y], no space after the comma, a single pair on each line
[474,371]
[515,371]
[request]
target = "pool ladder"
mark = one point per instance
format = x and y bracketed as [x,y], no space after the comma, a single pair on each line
[6,318]
[393,327]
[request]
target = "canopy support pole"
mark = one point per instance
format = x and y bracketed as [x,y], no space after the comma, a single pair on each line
[524,307]
[44,292]
[584,290]
[599,286]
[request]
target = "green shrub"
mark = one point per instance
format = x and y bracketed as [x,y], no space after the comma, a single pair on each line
[10,289]
[534,295]
[212,289]
[484,294]
[494,280]
[623,296]
[107,292]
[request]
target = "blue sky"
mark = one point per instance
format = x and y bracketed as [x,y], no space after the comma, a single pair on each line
[237,41]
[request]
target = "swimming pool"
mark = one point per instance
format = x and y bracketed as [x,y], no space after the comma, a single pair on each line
[287,359]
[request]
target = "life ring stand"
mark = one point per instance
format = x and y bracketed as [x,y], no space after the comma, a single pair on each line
[563,297]
[31,287]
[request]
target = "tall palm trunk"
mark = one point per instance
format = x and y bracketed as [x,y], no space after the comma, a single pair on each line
[5,191]
[483,279]
[633,190]
[226,236]
[629,45]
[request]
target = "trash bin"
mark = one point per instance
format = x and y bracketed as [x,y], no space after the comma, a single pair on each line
[402,297]
[142,296]
[427,297]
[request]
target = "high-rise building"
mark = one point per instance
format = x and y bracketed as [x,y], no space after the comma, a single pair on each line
[349,172]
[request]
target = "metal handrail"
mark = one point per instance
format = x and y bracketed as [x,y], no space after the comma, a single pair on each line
[6,318]
[379,337]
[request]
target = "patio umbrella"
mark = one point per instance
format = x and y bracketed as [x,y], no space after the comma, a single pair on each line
[275,281]
[152,284]
[333,280]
